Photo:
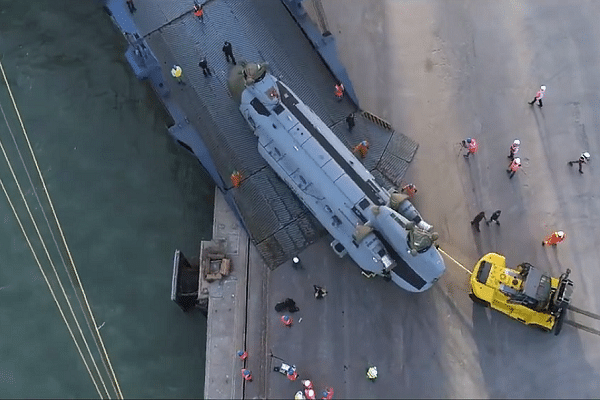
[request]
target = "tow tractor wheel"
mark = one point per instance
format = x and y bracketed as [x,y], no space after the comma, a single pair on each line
[477,300]
[559,321]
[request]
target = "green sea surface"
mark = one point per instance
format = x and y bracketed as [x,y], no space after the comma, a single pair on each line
[125,194]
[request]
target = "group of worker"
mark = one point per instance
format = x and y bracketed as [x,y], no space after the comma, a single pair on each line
[177,72]
[515,164]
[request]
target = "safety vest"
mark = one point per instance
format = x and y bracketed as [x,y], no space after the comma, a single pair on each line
[539,95]
[198,12]
[327,394]
[176,71]
[514,148]
[339,90]
[554,238]
[409,189]
[514,166]
[473,146]
[246,374]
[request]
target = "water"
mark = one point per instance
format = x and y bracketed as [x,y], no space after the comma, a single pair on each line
[126,197]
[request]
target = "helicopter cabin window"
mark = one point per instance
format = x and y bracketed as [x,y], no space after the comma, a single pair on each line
[259,107]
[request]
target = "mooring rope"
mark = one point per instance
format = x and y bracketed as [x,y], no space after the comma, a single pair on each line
[76,285]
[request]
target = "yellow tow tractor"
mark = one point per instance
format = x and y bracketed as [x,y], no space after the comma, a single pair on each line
[526,293]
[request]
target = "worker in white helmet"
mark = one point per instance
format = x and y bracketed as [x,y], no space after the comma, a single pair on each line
[372,373]
[554,239]
[514,148]
[583,159]
[539,96]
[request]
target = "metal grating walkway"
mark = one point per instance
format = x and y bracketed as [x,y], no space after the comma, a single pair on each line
[259,30]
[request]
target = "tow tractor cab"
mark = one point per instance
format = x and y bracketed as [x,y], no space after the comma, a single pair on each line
[526,293]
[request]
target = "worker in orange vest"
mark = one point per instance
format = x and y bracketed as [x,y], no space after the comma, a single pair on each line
[410,190]
[362,148]
[199,11]
[554,239]
[292,375]
[242,354]
[471,145]
[309,390]
[247,375]
[514,167]
[287,320]
[327,394]
[339,91]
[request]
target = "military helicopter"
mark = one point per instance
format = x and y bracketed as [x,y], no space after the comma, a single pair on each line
[379,229]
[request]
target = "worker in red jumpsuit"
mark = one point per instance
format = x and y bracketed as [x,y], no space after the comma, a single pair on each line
[554,239]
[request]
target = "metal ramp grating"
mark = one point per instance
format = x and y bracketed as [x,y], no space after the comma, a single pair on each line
[259,30]
[393,168]
[402,147]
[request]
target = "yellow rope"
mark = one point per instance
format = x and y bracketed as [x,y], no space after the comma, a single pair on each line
[46,251]
[91,324]
[49,286]
[457,263]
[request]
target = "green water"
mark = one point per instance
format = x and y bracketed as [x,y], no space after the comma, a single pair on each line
[126,197]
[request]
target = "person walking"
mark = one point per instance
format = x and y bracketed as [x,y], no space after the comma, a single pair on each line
[339,91]
[350,121]
[131,6]
[494,218]
[199,11]
[477,220]
[514,148]
[228,50]
[177,73]
[554,239]
[539,96]
[514,167]
[583,159]
[471,145]
[204,65]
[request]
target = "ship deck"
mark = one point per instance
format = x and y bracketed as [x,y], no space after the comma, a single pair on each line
[262,31]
